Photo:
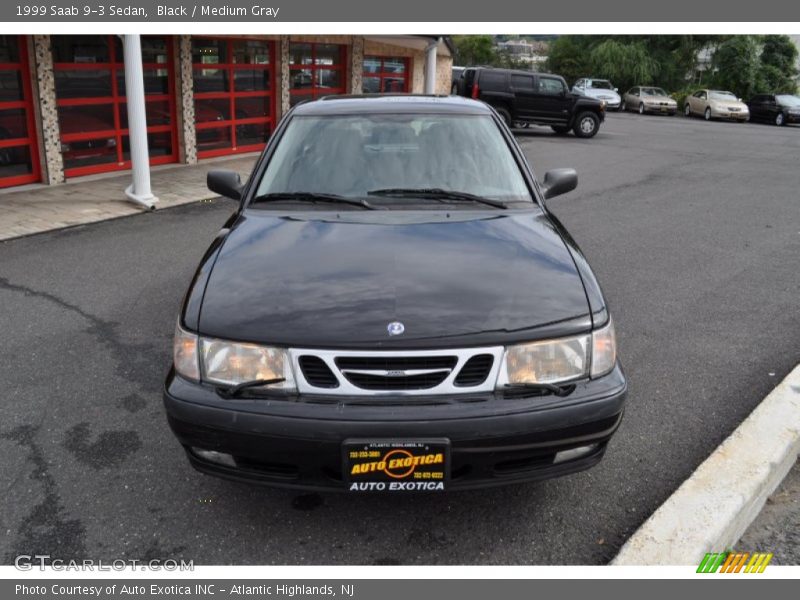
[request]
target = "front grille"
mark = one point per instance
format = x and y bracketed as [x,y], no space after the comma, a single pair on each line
[409,372]
[424,381]
[396,363]
[317,373]
[475,371]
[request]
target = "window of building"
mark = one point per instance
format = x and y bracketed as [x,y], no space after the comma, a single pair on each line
[234,96]
[385,75]
[19,154]
[316,70]
[92,107]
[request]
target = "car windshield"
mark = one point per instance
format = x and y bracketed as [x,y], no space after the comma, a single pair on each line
[788,100]
[601,84]
[654,91]
[355,156]
[722,96]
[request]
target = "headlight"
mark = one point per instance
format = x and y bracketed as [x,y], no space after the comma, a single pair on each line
[184,354]
[564,359]
[232,363]
[604,350]
[551,361]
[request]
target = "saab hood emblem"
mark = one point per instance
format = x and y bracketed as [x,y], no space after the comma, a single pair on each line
[395,328]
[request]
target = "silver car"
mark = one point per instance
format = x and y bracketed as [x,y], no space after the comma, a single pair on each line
[647,99]
[602,89]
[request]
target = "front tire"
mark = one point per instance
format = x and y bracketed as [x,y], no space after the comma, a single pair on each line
[687,110]
[780,120]
[641,108]
[586,125]
[707,114]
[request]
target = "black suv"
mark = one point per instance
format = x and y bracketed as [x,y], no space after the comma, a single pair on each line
[392,307]
[523,98]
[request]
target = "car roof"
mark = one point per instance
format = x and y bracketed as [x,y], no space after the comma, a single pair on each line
[391,103]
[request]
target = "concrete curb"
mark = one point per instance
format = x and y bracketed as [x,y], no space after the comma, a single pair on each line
[711,510]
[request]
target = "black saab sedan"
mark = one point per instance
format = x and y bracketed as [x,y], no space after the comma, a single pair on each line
[392,307]
[780,109]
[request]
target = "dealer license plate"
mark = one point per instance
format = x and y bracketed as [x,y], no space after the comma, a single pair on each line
[394,465]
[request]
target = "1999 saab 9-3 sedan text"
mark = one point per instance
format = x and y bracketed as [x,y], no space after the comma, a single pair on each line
[393,307]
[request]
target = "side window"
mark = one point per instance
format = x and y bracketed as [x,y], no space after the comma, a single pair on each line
[634,91]
[698,94]
[579,83]
[550,87]
[522,82]
[702,96]
[492,81]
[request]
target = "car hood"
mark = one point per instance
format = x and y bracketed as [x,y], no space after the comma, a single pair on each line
[338,282]
[601,93]
[728,104]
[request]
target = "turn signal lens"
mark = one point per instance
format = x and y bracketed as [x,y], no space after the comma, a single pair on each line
[604,350]
[184,354]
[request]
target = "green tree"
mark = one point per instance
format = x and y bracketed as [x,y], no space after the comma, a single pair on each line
[569,57]
[778,65]
[474,50]
[625,63]
[737,65]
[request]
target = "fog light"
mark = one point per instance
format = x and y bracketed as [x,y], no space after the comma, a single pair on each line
[574,453]
[216,457]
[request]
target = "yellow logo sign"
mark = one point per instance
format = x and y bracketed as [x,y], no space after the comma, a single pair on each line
[397,463]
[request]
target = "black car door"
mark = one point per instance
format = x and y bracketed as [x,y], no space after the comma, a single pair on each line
[552,102]
[523,88]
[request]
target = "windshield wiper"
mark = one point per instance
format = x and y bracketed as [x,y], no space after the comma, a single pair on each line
[436,194]
[313,197]
[542,387]
[235,390]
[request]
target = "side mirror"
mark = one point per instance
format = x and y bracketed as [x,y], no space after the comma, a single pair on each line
[559,181]
[225,183]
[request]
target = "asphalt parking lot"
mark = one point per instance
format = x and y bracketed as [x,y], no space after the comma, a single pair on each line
[692,227]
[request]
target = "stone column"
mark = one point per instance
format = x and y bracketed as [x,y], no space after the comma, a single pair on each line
[284,81]
[187,134]
[46,92]
[356,65]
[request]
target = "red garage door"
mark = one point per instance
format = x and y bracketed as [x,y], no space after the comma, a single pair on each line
[234,100]
[316,70]
[92,111]
[19,153]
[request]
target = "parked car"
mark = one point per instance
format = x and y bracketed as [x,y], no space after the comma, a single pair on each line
[393,307]
[526,98]
[775,108]
[648,99]
[455,76]
[602,89]
[716,104]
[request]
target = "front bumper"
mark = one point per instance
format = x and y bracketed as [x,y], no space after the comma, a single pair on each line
[661,110]
[730,115]
[296,442]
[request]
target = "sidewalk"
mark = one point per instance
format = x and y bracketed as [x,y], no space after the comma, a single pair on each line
[37,208]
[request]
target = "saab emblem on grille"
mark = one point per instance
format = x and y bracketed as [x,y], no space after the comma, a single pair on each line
[395,328]
[395,373]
